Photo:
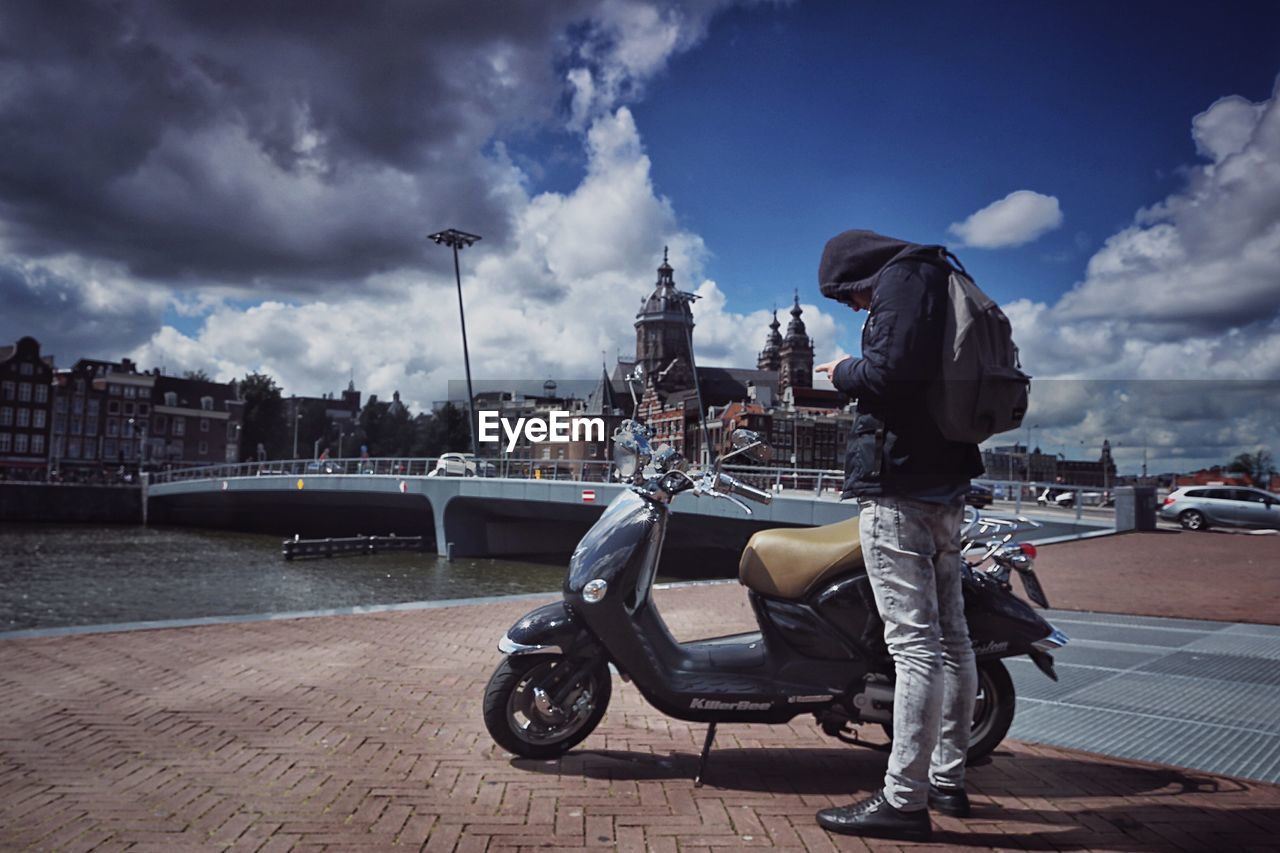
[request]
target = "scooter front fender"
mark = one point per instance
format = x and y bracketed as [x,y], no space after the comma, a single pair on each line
[550,629]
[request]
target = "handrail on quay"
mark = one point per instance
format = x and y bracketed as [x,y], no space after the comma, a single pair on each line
[582,470]
[819,481]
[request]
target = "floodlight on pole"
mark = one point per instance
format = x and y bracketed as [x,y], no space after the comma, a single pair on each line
[456,240]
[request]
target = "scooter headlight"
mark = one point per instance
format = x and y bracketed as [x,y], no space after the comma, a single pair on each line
[594,591]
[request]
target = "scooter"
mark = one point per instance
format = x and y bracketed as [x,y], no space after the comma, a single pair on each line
[820,649]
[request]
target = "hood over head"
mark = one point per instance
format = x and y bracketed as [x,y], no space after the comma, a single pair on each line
[852,262]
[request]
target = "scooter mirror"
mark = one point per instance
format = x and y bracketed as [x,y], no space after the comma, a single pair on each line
[749,444]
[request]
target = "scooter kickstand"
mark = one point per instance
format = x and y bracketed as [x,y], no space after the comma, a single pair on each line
[706,753]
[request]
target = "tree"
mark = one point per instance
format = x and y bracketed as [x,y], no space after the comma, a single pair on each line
[198,375]
[1258,467]
[442,432]
[263,418]
[315,424]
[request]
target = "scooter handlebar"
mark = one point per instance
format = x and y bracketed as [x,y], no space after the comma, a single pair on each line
[734,486]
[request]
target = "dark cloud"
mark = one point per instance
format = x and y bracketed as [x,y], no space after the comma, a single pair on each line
[281,143]
[63,315]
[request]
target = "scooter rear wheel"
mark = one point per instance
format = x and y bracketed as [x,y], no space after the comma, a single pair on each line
[520,716]
[992,710]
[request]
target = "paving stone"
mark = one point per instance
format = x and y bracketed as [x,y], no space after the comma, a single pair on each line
[364,732]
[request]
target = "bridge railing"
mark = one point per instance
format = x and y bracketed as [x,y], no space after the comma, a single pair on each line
[577,470]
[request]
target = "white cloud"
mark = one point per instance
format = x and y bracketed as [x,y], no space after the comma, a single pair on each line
[1018,218]
[1179,312]
[1190,289]
[553,301]
[627,43]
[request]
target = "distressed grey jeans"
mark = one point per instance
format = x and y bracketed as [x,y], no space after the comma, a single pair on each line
[912,552]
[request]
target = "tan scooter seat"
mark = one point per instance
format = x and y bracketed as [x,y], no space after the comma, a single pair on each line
[791,562]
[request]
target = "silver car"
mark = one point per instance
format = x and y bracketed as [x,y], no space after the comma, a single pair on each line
[1201,507]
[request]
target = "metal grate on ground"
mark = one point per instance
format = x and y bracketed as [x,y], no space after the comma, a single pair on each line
[1200,695]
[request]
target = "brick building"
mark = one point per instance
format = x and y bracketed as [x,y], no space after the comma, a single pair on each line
[26,408]
[96,422]
[194,421]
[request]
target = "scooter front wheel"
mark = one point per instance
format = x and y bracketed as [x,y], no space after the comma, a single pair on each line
[522,714]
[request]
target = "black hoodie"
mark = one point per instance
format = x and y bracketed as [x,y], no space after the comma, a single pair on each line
[852,262]
[896,449]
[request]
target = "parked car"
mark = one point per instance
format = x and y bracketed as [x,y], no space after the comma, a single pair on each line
[462,465]
[979,496]
[1202,507]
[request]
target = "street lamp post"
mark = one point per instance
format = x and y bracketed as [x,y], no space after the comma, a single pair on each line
[456,240]
[296,419]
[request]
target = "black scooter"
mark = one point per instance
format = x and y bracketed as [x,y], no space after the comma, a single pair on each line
[820,648]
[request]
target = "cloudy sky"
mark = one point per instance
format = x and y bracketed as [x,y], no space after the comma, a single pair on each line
[235,186]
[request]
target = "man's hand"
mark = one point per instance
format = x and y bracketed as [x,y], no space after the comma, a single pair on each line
[830,367]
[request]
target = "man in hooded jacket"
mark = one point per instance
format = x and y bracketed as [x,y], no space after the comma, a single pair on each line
[910,483]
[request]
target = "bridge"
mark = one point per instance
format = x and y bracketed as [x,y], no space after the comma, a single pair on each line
[517,509]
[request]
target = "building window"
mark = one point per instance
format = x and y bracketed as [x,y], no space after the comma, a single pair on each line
[231,431]
[113,390]
[130,392]
[90,451]
[5,442]
[92,411]
[6,416]
[179,426]
[204,424]
[76,426]
[25,368]
[161,424]
[204,448]
[59,424]
[24,417]
[77,406]
[42,393]
[91,427]
[113,427]
[59,404]
[171,398]
[79,386]
[38,418]
[108,450]
[206,403]
[128,408]
[144,409]
[7,389]
[73,448]
[24,392]
[20,443]
[175,449]
[113,407]
[126,428]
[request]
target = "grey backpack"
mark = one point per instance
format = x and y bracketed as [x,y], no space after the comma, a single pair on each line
[981,390]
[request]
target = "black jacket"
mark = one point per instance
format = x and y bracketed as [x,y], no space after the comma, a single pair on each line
[896,449]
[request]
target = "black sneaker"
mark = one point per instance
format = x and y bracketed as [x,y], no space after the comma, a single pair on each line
[875,816]
[949,801]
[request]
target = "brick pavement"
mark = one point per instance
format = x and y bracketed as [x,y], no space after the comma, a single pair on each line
[1227,576]
[364,732]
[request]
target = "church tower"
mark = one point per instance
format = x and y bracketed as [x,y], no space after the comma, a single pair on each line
[664,330]
[770,357]
[796,353]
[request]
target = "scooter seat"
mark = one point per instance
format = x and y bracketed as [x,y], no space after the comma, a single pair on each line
[790,562]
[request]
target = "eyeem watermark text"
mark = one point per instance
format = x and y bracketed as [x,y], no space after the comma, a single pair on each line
[557,426]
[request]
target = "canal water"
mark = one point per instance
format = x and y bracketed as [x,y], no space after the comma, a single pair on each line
[54,576]
[62,575]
